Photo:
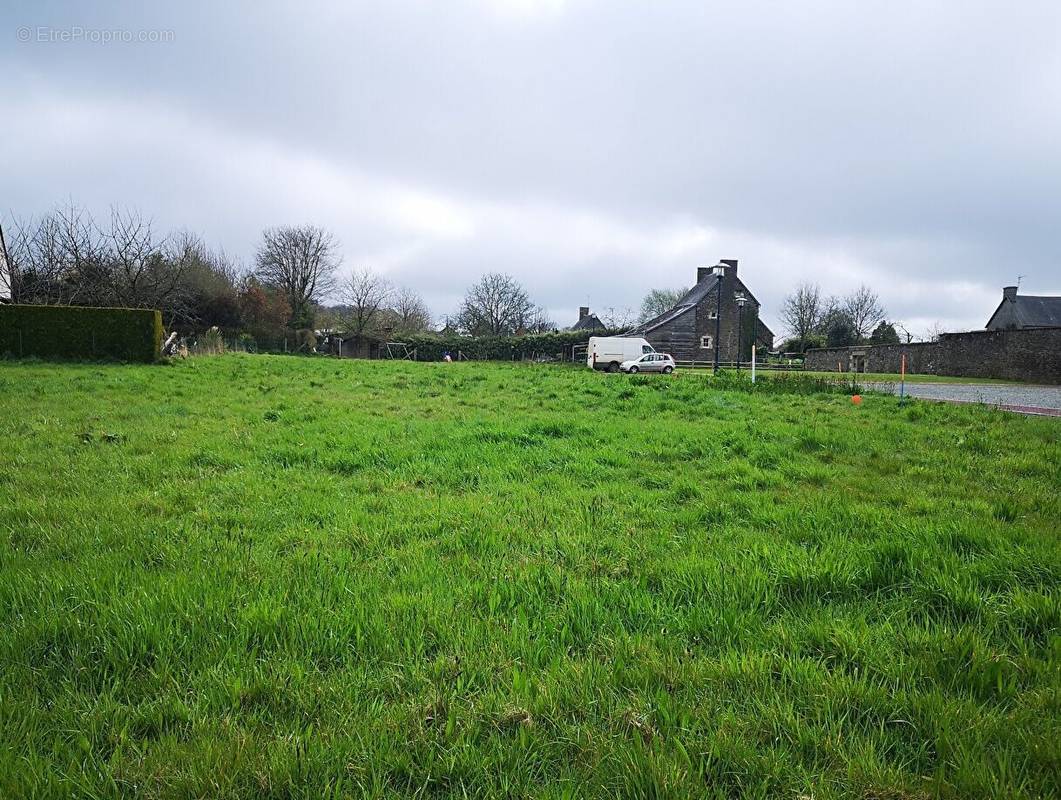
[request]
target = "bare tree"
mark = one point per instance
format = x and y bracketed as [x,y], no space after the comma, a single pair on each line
[139,270]
[133,255]
[59,259]
[411,314]
[536,321]
[619,318]
[659,300]
[864,310]
[802,311]
[494,306]
[935,330]
[300,261]
[85,257]
[65,257]
[34,262]
[909,337]
[365,295]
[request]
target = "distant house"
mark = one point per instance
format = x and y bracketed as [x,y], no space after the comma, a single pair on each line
[587,321]
[350,345]
[764,337]
[1024,312]
[698,322]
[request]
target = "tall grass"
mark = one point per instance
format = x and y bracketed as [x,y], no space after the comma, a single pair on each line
[787,383]
[253,576]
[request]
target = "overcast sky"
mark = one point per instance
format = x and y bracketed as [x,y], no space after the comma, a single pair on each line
[593,150]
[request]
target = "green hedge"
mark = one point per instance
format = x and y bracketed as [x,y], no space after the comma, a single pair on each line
[126,334]
[502,348]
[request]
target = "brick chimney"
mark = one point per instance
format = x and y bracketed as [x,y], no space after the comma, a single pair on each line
[583,312]
[729,266]
[703,273]
[1009,292]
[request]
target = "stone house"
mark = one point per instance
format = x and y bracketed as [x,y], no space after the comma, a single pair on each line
[689,330]
[764,337]
[587,321]
[1024,312]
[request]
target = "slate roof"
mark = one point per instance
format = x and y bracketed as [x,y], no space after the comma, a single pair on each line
[683,306]
[590,322]
[1031,311]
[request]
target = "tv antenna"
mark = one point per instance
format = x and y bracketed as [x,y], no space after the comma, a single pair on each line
[1019,279]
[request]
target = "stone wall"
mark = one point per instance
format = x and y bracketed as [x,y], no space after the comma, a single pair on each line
[1024,355]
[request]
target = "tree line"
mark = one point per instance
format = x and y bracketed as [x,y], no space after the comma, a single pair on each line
[814,320]
[67,257]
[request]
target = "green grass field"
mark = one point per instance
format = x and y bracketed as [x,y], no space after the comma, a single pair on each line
[254,576]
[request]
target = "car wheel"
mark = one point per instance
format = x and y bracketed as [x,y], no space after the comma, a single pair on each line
[668,370]
[613,367]
[633,370]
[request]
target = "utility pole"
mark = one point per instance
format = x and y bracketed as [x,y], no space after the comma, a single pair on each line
[719,272]
[740,325]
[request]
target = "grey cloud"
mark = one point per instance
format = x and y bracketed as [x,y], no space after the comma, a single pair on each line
[592,149]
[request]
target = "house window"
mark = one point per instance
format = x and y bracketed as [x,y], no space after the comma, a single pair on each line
[712,314]
[705,342]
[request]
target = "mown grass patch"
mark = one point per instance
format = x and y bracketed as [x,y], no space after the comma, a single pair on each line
[250,576]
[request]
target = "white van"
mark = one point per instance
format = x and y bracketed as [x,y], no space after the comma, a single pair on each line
[609,352]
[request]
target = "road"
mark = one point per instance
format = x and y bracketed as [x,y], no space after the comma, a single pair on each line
[1025,398]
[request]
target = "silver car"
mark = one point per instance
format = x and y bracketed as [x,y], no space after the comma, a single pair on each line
[650,362]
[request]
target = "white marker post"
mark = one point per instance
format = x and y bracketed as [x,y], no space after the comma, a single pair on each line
[753,363]
[902,378]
